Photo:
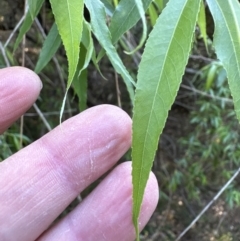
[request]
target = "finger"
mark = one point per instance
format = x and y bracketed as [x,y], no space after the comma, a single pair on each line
[38,182]
[19,88]
[106,214]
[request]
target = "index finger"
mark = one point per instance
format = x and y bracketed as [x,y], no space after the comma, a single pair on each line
[39,182]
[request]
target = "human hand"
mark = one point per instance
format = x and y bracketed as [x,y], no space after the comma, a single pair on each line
[41,180]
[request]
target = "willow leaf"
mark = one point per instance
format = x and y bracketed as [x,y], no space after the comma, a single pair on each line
[202,23]
[153,15]
[80,79]
[159,77]
[108,7]
[32,7]
[101,31]
[50,47]
[141,12]
[28,22]
[69,19]
[125,16]
[79,83]
[226,15]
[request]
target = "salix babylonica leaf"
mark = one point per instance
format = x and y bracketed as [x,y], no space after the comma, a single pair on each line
[68,16]
[101,31]
[125,16]
[159,77]
[226,15]
[202,24]
[27,23]
[50,47]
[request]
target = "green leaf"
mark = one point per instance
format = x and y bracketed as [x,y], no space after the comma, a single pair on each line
[108,7]
[226,15]
[80,79]
[159,77]
[28,23]
[33,5]
[50,47]
[161,4]
[69,19]
[211,75]
[141,12]
[152,14]
[80,88]
[202,24]
[101,31]
[125,16]
[127,19]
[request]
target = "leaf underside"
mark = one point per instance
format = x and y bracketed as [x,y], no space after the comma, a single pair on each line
[124,17]
[30,16]
[101,31]
[168,48]
[226,15]
[69,19]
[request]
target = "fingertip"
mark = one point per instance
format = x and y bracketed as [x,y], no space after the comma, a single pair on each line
[20,76]
[20,88]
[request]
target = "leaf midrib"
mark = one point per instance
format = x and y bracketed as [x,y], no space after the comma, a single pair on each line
[70,23]
[151,112]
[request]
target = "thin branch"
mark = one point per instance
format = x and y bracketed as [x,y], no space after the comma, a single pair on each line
[53,113]
[4,54]
[23,65]
[42,117]
[209,204]
[205,94]
[14,31]
[200,57]
[118,90]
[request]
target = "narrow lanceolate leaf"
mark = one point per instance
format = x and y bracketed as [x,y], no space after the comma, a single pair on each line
[125,16]
[101,31]
[30,16]
[159,77]
[108,7]
[153,15]
[80,79]
[50,47]
[141,12]
[202,23]
[32,7]
[69,19]
[226,15]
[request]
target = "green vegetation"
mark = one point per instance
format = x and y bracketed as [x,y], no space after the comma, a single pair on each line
[95,33]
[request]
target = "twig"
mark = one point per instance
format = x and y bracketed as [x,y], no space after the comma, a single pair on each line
[42,117]
[4,54]
[53,113]
[14,31]
[205,94]
[202,58]
[118,90]
[23,64]
[209,204]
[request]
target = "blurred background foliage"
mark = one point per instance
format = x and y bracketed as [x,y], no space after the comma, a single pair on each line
[199,150]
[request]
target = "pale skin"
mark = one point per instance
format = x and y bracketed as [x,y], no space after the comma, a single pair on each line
[38,182]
